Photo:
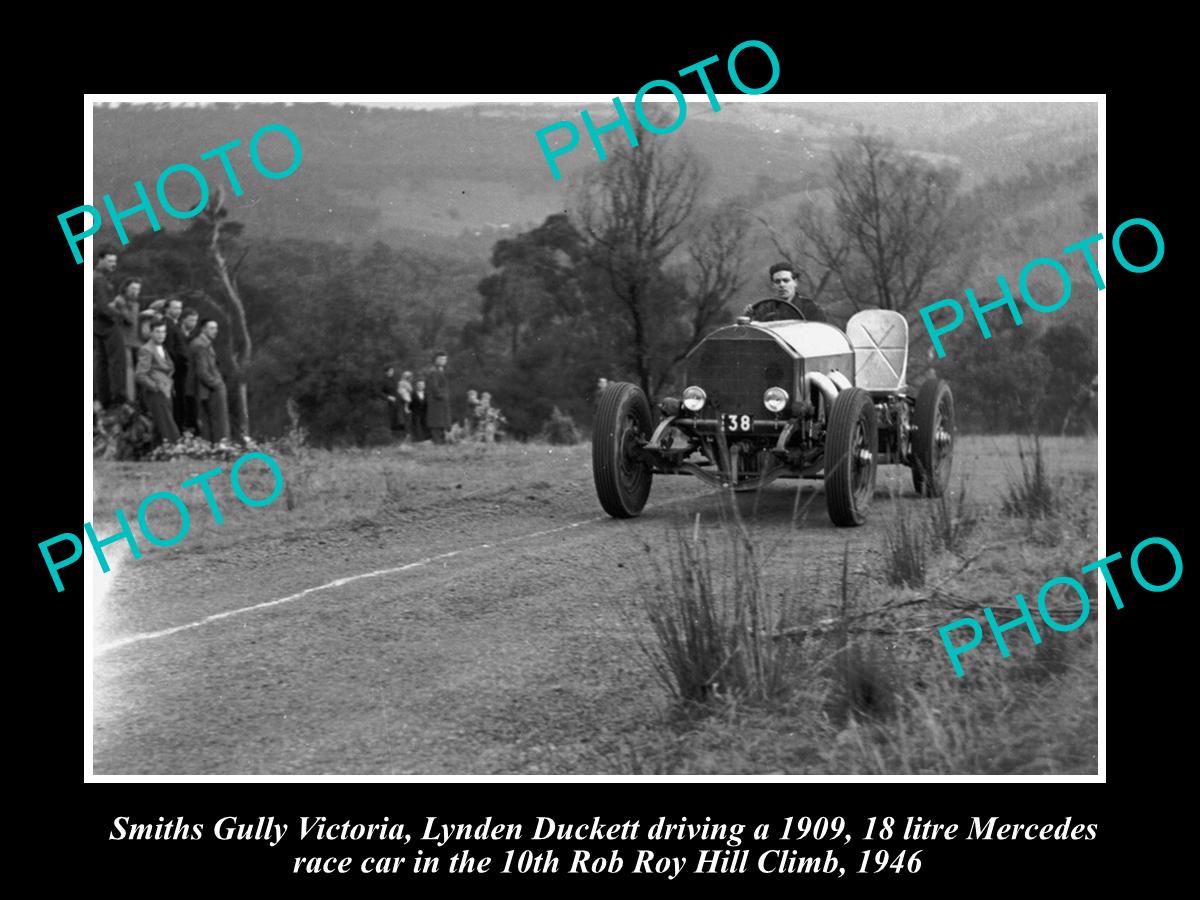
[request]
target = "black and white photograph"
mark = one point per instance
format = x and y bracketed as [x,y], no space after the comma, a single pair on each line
[682,435]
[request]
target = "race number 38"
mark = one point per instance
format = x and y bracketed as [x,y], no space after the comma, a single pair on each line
[737,423]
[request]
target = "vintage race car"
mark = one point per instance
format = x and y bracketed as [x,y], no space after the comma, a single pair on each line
[775,396]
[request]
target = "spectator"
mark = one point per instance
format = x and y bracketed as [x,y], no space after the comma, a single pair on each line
[190,322]
[145,319]
[177,349]
[126,304]
[155,310]
[189,327]
[206,384]
[155,376]
[388,389]
[483,409]
[109,362]
[491,420]
[437,413]
[404,393]
[471,419]
[419,406]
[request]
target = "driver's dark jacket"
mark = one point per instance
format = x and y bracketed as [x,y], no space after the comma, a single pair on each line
[812,312]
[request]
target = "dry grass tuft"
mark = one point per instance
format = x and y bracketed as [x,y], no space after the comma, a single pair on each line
[713,623]
[906,549]
[951,523]
[1036,494]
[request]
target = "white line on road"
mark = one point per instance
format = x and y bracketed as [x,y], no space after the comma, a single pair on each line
[151,635]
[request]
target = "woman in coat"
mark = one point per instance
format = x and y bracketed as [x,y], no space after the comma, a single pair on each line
[419,407]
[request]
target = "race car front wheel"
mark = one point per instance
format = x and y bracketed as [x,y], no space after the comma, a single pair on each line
[850,447]
[933,443]
[621,426]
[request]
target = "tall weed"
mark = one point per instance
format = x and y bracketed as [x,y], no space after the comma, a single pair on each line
[906,551]
[951,523]
[713,623]
[1035,494]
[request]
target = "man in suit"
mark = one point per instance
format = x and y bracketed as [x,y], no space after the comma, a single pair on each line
[206,384]
[417,407]
[437,415]
[177,349]
[155,376]
[189,327]
[127,305]
[783,279]
[109,361]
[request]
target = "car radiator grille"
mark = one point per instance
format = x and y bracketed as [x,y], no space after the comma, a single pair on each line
[734,373]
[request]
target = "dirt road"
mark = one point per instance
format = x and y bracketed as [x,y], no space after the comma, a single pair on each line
[415,613]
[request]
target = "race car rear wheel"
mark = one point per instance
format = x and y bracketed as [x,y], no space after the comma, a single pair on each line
[850,448]
[933,442]
[621,425]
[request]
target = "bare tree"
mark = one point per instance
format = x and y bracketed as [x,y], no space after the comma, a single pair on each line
[717,253]
[633,210]
[893,226]
[242,345]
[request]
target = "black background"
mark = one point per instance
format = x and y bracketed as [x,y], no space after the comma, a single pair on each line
[1149,696]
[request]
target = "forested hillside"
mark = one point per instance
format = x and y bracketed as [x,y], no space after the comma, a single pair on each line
[407,229]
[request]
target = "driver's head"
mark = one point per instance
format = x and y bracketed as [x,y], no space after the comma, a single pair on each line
[783,278]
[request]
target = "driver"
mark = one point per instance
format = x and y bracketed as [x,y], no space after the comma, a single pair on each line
[783,278]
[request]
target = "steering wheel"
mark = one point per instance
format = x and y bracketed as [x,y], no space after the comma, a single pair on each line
[774,310]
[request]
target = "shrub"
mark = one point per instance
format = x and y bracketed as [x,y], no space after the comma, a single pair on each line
[294,442]
[192,447]
[121,433]
[560,428]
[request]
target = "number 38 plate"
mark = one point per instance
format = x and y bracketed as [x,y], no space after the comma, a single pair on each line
[737,423]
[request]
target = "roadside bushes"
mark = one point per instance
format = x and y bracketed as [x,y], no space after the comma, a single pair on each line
[861,683]
[560,428]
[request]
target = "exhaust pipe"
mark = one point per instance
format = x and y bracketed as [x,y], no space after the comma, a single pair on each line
[824,384]
[840,380]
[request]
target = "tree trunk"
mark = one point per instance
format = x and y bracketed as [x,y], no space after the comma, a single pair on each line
[237,315]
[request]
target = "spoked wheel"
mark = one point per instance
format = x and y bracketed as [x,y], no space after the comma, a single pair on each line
[850,442]
[933,443]
[621,425]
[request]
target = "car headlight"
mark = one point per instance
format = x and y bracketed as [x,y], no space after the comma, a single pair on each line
[694,399]
[775,399]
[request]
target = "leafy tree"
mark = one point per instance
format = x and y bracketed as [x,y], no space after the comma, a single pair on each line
[330,361]
[1071,354]
[538,344]
[999,384]
[536,282]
